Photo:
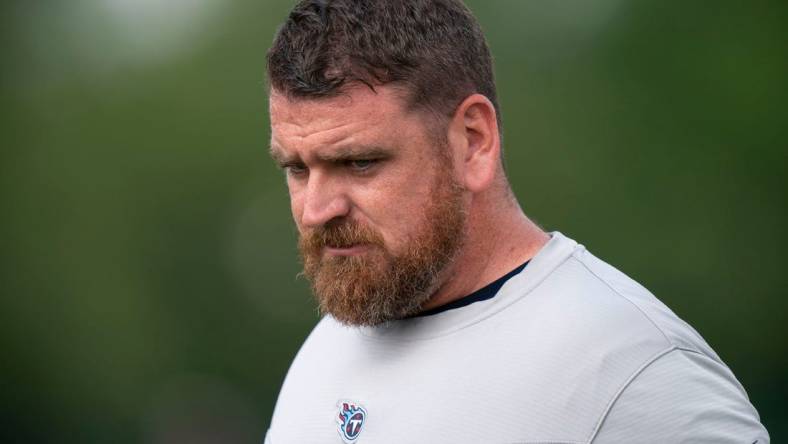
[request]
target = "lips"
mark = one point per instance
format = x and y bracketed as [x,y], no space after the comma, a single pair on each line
[350,250]
[340,245]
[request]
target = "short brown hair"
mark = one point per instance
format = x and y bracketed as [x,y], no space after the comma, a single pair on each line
[434,48]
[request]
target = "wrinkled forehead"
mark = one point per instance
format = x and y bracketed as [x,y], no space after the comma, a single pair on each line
[357,113]
[382,100]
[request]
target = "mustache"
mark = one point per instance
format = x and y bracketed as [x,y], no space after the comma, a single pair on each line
[338,235]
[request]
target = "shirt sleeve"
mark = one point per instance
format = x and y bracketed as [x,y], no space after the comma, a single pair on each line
[682,397]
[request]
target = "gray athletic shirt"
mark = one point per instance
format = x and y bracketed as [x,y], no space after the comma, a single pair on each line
[570,350]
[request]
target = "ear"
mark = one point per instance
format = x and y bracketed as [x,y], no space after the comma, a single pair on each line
[474,138]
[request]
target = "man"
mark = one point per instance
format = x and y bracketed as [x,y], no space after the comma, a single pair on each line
[450,317]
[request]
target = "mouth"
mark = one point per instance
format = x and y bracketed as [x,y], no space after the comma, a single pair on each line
[352,250]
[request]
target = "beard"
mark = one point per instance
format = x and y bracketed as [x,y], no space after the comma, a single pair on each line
[378,285]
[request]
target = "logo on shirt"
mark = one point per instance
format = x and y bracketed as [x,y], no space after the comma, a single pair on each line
[351,420]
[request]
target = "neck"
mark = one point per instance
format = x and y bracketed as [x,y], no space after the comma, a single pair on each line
[500,237]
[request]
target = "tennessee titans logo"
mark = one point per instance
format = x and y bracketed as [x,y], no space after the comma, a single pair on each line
[351,420]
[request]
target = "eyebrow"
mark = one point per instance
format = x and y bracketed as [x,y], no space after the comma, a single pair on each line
[354,153]
[279,157]
[336,156]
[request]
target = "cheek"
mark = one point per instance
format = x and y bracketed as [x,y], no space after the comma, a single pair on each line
[397,213]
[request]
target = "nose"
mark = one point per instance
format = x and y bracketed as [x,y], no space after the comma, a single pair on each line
[323,200]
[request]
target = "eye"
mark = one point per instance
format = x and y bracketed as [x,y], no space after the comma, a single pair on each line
[295,170]
[361,165]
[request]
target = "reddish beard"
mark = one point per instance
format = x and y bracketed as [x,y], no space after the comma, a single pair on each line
[377,285]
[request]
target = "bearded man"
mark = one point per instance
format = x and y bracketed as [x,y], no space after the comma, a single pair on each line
[449,316]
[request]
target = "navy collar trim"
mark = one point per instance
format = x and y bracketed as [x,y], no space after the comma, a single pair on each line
[487,292]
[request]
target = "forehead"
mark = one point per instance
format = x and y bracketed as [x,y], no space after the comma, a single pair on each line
[384,99]
[354,116]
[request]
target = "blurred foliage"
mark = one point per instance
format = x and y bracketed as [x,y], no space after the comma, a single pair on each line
[148,279]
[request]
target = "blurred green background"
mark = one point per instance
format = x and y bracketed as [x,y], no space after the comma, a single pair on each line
[148,278]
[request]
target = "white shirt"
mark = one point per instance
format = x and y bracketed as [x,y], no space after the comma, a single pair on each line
[570,350]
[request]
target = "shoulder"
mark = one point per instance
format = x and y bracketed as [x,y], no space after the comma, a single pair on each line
[642,304]
[682,396]
[602,320]
[600,306]
[627,359]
